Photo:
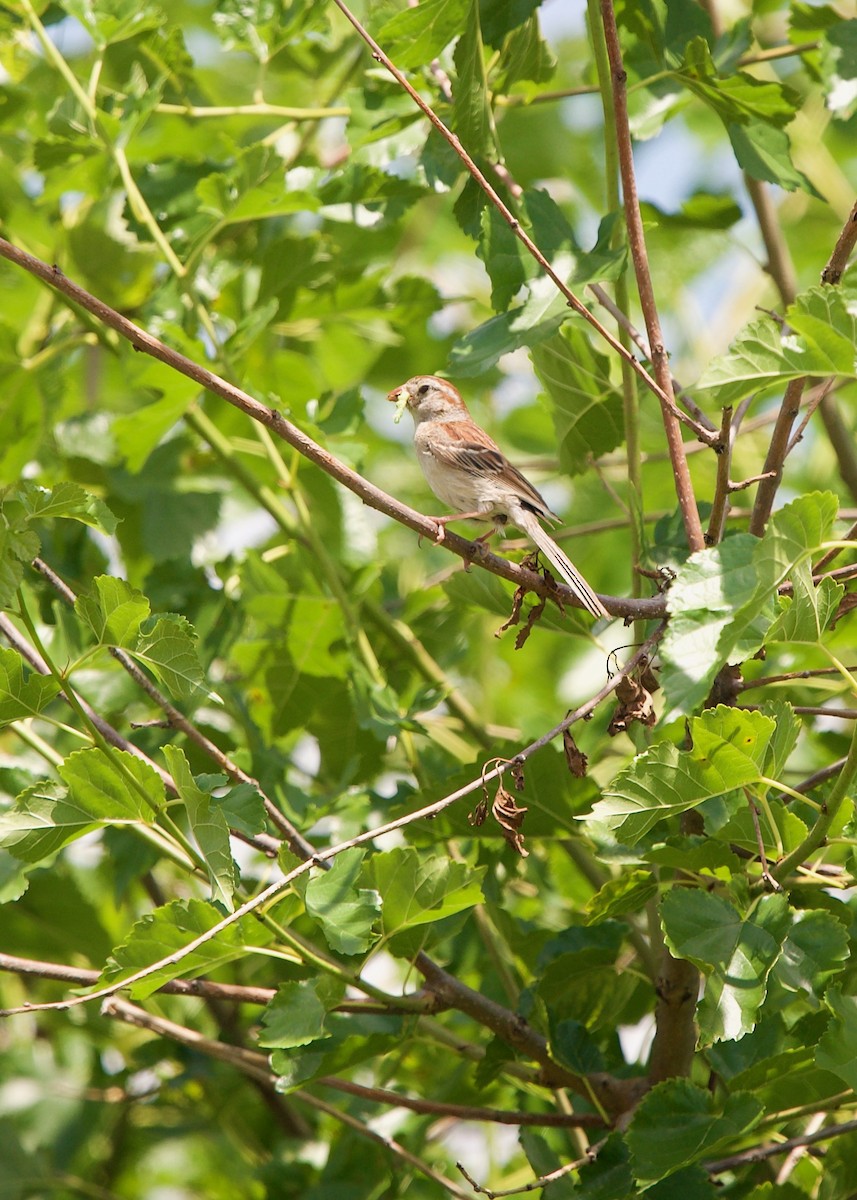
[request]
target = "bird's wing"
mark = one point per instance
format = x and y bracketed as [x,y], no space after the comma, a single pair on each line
[466,446]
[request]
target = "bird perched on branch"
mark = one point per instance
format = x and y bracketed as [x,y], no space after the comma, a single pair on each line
[466,469]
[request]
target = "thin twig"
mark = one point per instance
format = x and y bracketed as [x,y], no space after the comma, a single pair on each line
[533,1184]
[371,495]
[639,257]
[760,1153]
[462,1112]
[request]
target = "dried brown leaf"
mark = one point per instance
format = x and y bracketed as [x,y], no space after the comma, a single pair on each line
[574,756]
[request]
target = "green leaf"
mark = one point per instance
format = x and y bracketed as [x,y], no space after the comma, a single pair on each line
[102,791]
[629,892]
[164,932]
[587,408]
[43,820]
[502,254]
[169,649]
[814,952]
[474,123]
[524,56]
[118,787]
[421,891]
[208,826]
[110,21]
[763,151]
[296,1015]
[66,500]
[414,36]
[677,1124]
[737,98]
[837,1050]
[113,610]
[722,599]
[346,913]
[728,746]
[21,698]
[821,339]
[348,1041]
[739,953]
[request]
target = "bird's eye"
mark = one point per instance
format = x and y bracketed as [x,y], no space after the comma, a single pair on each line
[423,389]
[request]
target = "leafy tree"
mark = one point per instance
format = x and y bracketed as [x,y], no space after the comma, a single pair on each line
[310,881]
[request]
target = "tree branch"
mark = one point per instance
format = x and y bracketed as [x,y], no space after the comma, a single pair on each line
[639,257]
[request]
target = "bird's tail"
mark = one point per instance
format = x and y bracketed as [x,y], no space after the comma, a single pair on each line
[561,563]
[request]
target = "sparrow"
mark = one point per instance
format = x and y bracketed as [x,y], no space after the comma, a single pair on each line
[466,469]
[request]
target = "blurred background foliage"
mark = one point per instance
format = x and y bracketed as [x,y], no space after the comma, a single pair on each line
[245,183]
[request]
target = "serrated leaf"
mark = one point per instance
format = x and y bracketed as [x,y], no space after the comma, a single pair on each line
[677,1124]
[21,698]
[473,121]
[524,56]
[416,35]
[349,1040]
[736,952]
[46,817]
[587,408]
[346,913]
[66,500]
[113,610]
[169,649]
[722,599]
[837,1050]
[728,744]
[502,254]
[208,826]
[296,1015]
[629,892]
[814,952]
[162,933]
[417,891]
[822,334]
[115,787]
[42,820]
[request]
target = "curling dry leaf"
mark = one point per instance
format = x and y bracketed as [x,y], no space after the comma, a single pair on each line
[575,758]
[510,817]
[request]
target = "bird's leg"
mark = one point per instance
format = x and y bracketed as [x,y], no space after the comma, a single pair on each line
[442,522]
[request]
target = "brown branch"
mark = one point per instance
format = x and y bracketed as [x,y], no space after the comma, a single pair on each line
[777,450]
[845,243]
[371,495]
[760,1153]
[462,1112]
[745,685]
[177,720]
[639,257]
